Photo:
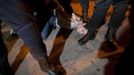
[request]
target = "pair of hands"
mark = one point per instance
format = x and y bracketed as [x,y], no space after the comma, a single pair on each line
[78,24]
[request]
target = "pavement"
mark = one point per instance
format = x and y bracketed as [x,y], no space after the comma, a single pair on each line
[67,55]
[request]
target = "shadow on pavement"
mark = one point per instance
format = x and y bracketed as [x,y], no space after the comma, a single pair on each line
[54,57]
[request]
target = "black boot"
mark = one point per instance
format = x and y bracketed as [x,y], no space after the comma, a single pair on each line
[111,36]
[46,67]
[89,36]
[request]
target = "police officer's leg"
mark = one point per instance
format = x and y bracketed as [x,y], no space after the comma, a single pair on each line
[119,9]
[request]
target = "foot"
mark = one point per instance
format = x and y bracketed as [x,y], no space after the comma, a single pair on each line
[111,36]
[110,47]
[46,67]
[89,36]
